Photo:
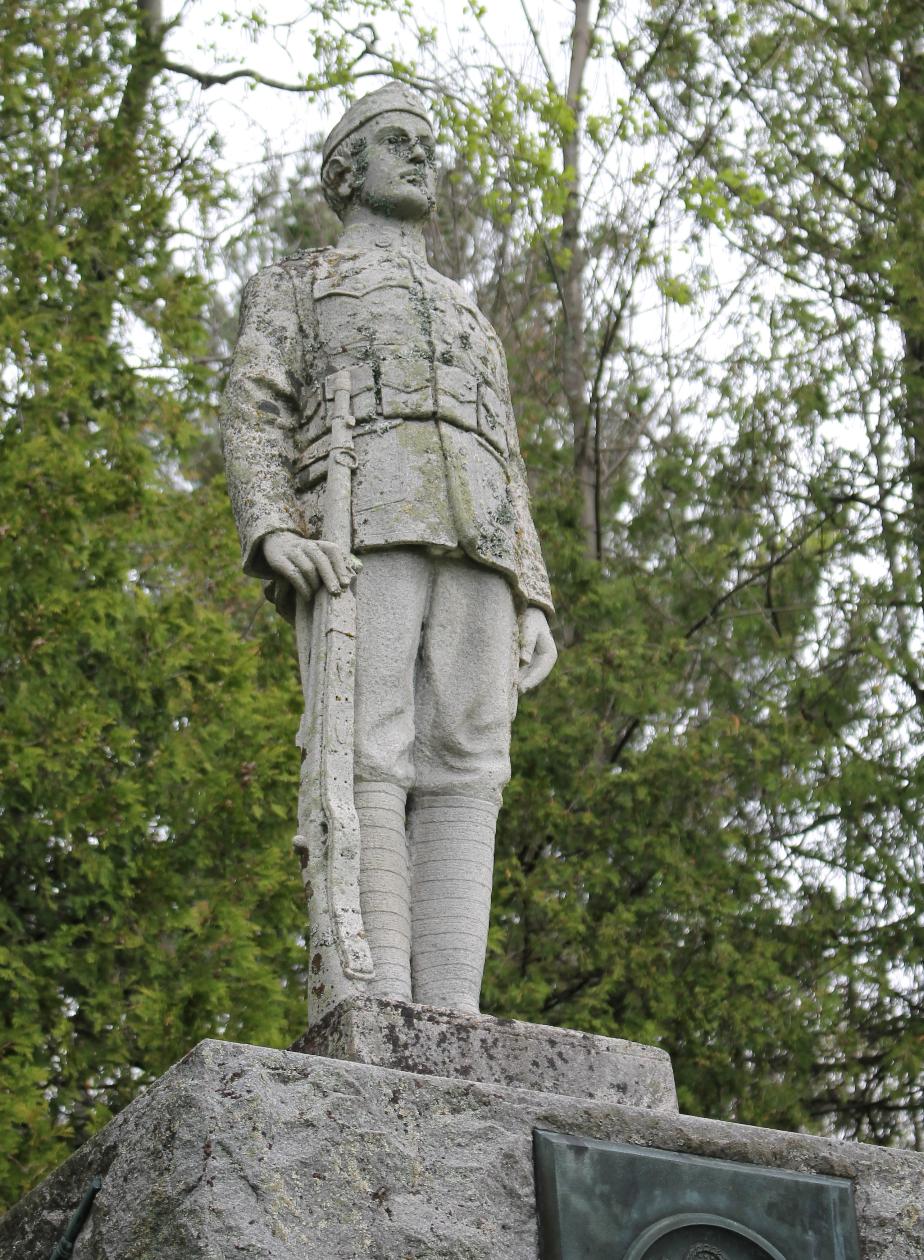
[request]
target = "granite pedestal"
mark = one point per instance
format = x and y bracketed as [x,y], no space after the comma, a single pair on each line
[244,1153]
[506,1052]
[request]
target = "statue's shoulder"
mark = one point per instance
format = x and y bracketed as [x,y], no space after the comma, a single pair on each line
[316,259]
[306,267]
[273,283]
[313,256]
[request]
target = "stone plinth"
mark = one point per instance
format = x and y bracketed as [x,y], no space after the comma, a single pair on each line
[504,1052]
[242,1153]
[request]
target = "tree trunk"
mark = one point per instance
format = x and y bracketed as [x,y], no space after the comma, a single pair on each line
[574,376]
[907,172]
[117,153]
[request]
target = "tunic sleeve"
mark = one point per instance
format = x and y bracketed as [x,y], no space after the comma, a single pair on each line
[532,577]
[259,414]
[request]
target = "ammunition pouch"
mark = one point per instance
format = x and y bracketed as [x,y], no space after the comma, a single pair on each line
[399,390]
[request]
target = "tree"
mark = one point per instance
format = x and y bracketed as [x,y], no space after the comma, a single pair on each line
[147,891]
[747,634]
[710,841]
[807,122]
[149,698]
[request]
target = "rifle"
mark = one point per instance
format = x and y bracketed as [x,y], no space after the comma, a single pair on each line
[328,840]
[65,1247]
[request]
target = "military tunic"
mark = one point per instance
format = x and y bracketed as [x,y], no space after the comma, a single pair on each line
[438,457]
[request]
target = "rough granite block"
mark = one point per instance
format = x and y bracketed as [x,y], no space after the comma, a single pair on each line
[439,1042]
[243,1153]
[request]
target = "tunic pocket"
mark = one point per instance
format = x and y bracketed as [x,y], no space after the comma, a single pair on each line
[407,391]
[456,396]
[491,417]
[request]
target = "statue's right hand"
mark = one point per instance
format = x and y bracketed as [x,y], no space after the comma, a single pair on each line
[306,563]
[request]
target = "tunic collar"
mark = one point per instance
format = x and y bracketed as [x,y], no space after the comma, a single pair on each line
[388,234]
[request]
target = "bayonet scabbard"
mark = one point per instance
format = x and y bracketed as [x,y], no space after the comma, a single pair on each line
[328,842]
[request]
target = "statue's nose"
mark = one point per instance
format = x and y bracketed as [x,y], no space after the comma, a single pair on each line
[417,153]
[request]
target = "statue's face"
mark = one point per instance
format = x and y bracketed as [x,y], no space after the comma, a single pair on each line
[398,178]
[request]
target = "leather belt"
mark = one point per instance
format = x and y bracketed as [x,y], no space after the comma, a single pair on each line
[408,389]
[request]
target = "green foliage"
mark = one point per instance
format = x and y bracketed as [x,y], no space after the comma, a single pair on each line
[711,840]
[148,896]
[712,836]
[659,870]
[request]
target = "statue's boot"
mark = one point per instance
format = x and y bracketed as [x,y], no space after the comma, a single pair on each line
[384,886]
[451,841]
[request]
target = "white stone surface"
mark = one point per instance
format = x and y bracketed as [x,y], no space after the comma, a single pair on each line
[505,1052]
[412,667]
[241,1153]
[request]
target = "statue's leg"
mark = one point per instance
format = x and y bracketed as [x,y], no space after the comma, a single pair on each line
[452,847]
[384,886]
[466,697]
[391,598]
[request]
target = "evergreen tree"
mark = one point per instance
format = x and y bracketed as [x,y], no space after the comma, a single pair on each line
[149,894]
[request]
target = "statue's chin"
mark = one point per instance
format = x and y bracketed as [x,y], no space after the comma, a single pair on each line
[407,203]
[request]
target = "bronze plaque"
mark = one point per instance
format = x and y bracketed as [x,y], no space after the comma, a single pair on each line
[608,1201]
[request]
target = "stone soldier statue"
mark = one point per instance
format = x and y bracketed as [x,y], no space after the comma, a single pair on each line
[452,595]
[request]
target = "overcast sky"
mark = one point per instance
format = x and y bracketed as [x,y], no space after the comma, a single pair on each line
[252,119]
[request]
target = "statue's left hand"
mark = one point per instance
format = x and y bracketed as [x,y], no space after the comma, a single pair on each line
[538,652]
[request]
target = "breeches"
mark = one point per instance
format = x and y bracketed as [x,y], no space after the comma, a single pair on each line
[436,669]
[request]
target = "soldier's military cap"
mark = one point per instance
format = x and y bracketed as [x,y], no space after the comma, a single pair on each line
[393,97]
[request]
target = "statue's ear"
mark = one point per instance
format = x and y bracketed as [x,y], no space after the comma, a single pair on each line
[339,177]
